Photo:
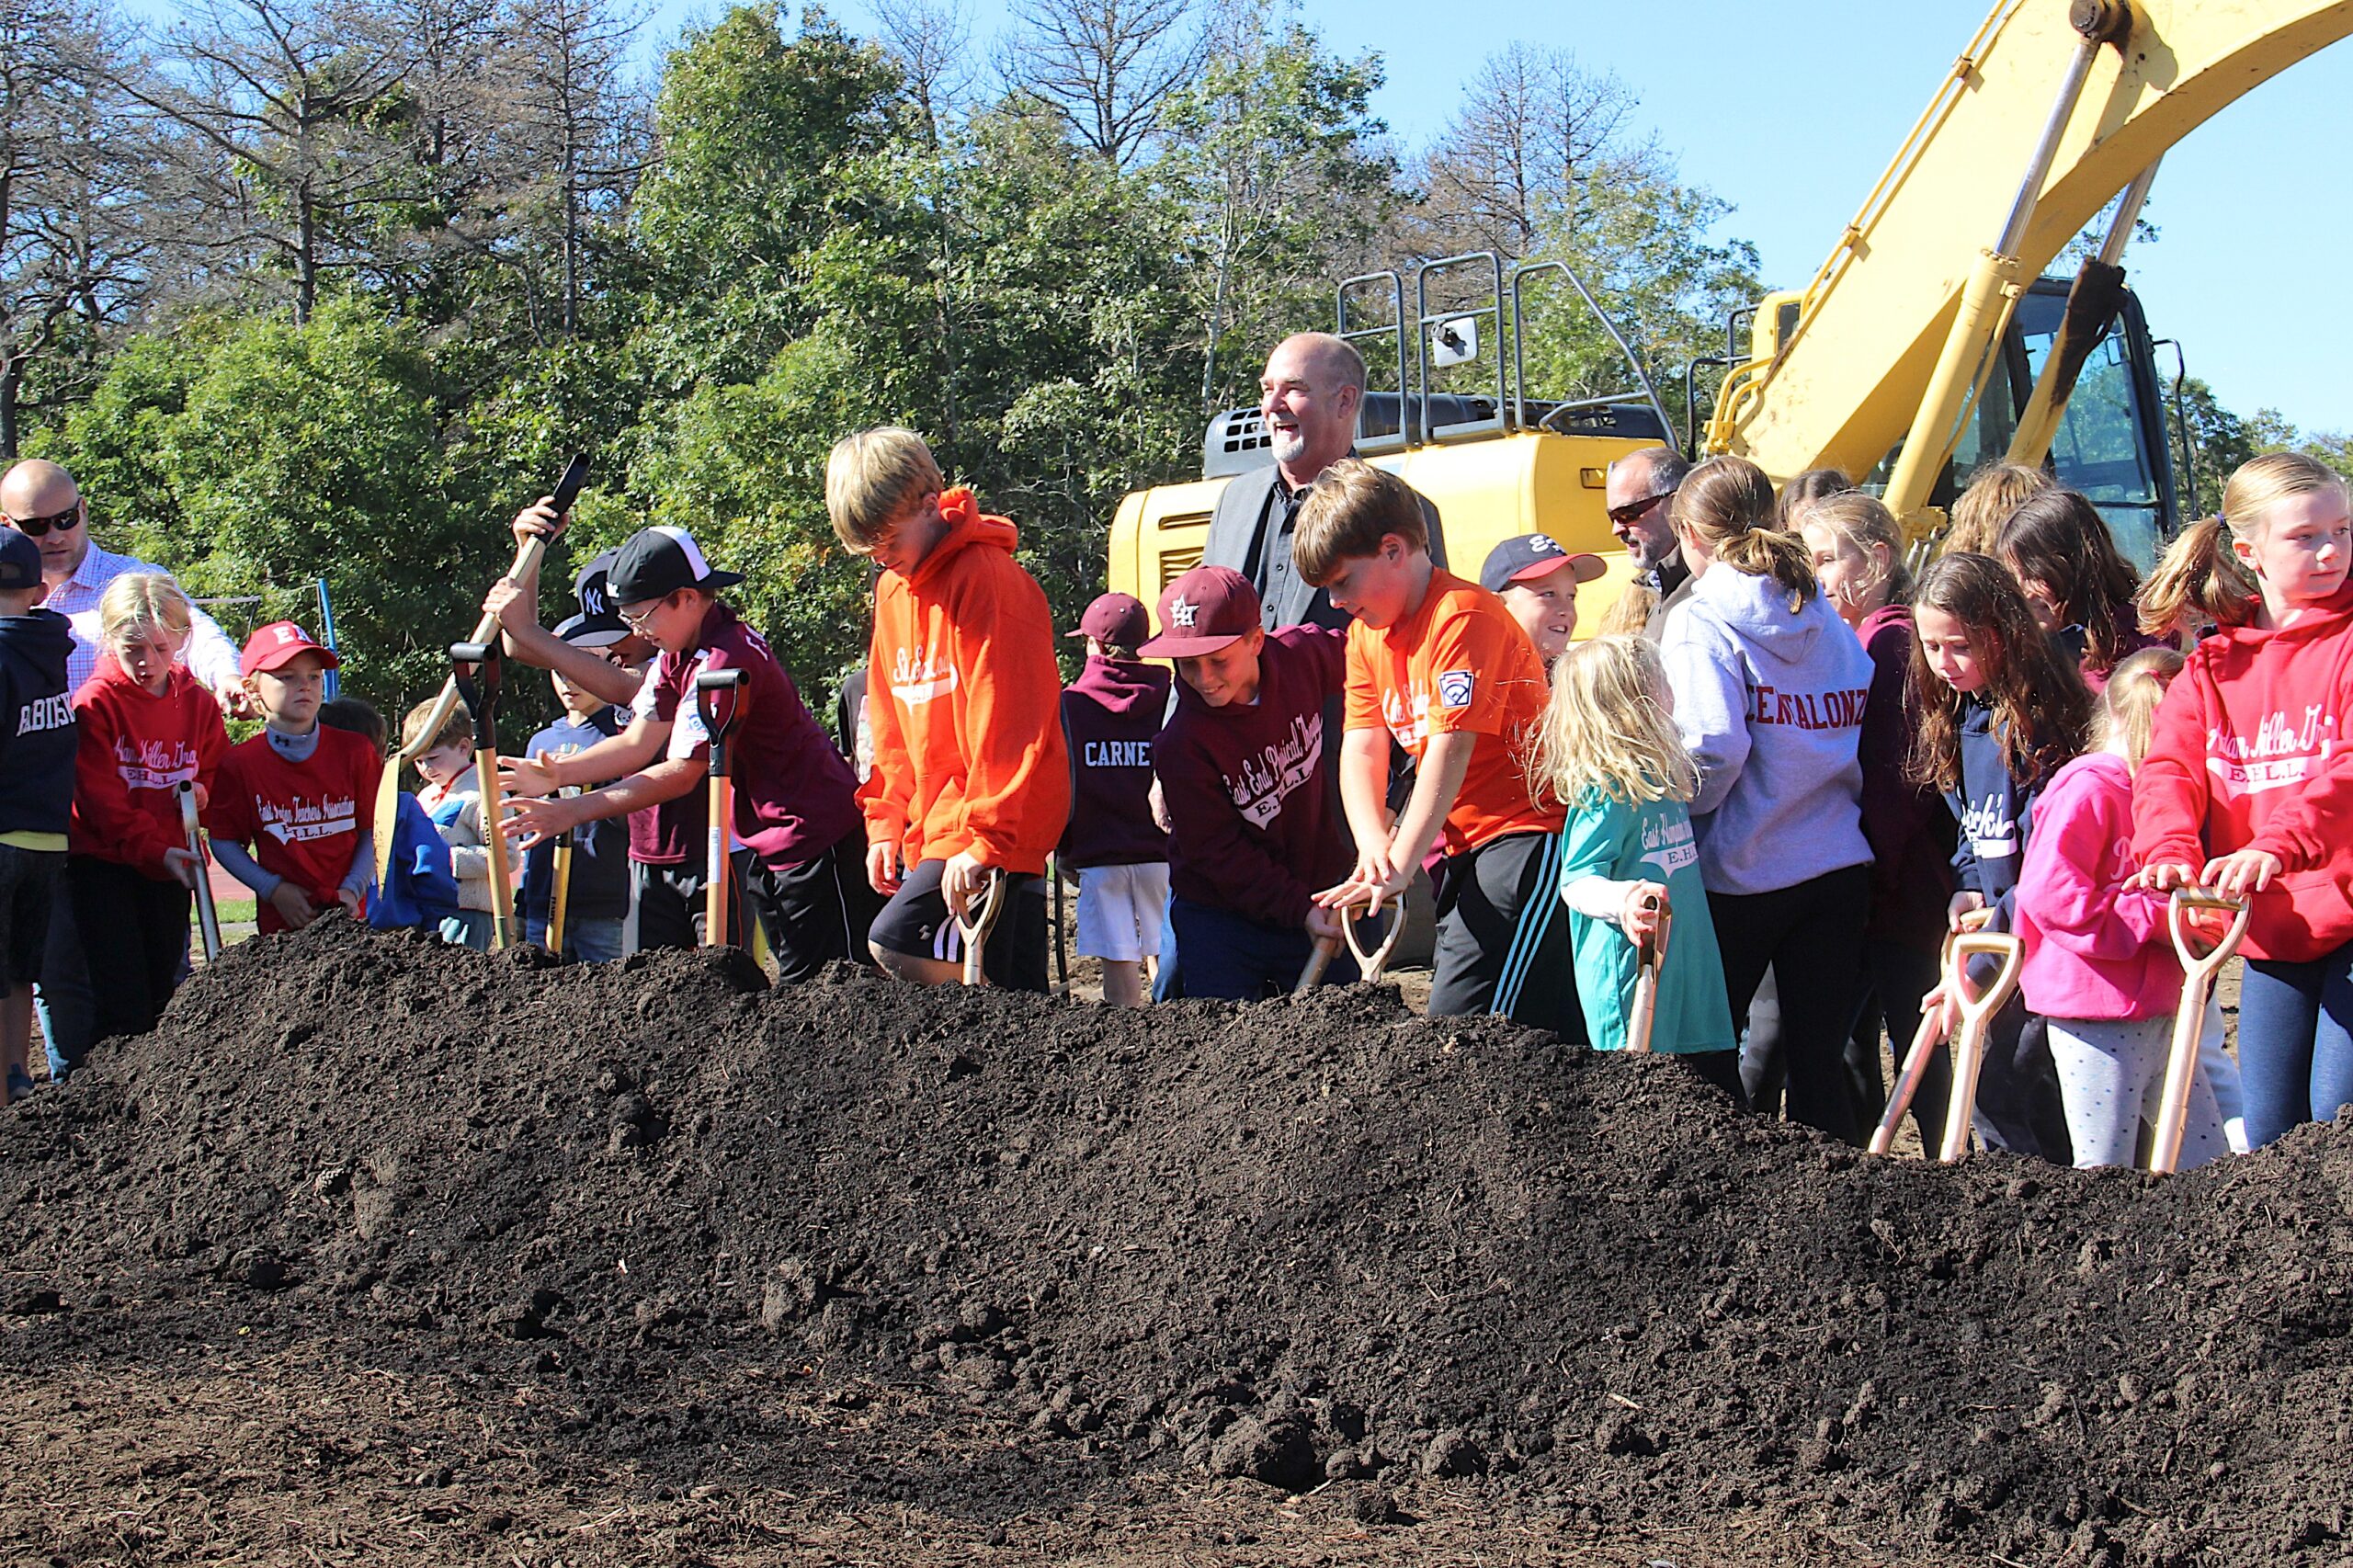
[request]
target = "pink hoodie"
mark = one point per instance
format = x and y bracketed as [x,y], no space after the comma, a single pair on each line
[2093,951]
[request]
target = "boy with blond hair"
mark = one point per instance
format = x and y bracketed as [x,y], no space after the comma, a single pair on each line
[1439,666]
[972,776]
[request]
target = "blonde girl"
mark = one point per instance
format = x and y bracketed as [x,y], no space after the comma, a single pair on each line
[146,725]
[2248,784]
[1608,751]
[2099,965]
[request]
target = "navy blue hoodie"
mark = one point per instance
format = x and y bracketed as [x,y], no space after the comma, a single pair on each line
[1109,715]
[1995,811]
[38,747]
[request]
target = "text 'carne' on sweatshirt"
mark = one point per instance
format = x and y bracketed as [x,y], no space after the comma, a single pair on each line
[1770,702]
[1109,715]
[2093,951]
[38,745]
[136,746]
[963,701]
[1253,829]
[1995,813]
[2249,752]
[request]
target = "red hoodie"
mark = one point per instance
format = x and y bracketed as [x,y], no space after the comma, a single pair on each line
[2250,752]
[964,700]
[136,747]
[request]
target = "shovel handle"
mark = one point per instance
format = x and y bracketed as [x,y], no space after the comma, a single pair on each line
[207,912]
[1924,1040]
[1649,954]
[975,931]
[2186,899]
[2198,972]
[1976,1015]
[1370,964]
[1310,974]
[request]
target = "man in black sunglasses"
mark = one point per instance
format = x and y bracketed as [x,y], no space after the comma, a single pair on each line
[1640,489]
[41,500]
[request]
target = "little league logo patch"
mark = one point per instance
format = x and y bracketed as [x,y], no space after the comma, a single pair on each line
[1455,686]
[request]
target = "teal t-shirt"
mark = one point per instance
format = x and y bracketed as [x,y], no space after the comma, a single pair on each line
[1626,843]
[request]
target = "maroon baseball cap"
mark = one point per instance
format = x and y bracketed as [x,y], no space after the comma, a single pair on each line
[273,644]
[1202,611]
[1116,620]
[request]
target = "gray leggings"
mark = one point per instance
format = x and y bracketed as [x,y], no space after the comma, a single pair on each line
[2112,1075]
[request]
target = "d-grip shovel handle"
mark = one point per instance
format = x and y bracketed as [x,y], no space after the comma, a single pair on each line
[709,686]
[2186,899]
[975,931]
[1371,963]
[2198,972]
[1977,1013]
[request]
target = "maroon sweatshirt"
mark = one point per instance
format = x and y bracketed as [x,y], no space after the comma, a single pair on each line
[1110,716]
[1909,830]
[1249,799]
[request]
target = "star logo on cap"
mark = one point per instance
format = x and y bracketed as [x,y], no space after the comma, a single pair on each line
[1182,613]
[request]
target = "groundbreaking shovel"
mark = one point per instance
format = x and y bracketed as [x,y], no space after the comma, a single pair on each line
[1925,1041]
[1310,974]
[975,931]
[1976,1018]
[208,915]
[474,674]
[1648,956]
[560,889]
[707,685]
[1370,964]
[2198,975]
[387,788]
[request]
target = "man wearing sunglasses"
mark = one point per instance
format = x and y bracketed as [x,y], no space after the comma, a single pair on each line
[1640,489]
[41,501]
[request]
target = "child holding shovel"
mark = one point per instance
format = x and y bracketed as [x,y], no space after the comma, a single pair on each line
[452,798]
[2248,784]
[2099,965]
[795,807]
[1609,748]
[596,899]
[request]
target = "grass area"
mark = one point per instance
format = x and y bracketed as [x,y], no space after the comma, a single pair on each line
[235,911]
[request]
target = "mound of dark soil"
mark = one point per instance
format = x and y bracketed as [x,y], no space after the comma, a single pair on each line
[1307,1240]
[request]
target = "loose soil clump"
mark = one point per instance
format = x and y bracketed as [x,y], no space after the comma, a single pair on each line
[981,1254]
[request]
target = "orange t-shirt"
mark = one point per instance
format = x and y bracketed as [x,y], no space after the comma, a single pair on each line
[1458,664]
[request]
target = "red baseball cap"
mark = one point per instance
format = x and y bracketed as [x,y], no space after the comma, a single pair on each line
[1116,619]
[1202,611]
[275,643]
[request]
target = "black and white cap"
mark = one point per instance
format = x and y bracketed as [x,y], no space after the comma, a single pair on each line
[1524,556]
[592,587]
[657,563]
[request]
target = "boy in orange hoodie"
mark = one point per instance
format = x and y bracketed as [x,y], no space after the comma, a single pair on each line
[971,777]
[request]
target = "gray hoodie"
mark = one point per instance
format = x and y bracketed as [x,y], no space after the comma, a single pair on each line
[1770,702]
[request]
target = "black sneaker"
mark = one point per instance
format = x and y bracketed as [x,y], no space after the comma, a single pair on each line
[21,1084]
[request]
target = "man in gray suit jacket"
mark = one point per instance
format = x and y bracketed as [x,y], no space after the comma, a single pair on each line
[1309,397]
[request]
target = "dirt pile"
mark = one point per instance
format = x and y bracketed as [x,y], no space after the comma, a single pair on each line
[1301,1242]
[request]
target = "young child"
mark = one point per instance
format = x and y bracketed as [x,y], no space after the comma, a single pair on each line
[302,795]
[147,724]
[970,774]
[1244,768]
[796,812]
[1439,666]
[38,742]
[452,799]
[1609,748]
[598,899]
[1538,582]
[2100,964]
[2248,787]
[1858,550]
[1770,694]
[2002,708]
[420,889]
[1110,716]
[2081,590]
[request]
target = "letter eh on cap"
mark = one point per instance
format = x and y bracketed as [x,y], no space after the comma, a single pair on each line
[280,641]
[1523,556]
[1202,611]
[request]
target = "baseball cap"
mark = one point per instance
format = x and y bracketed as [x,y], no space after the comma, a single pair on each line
[1523,556]
[273,644]
[1117,620]
[19,561]
[592,631]
[1202,611]
[592,589]
[657,563]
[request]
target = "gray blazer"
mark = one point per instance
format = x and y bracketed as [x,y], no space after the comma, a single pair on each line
[1285,599]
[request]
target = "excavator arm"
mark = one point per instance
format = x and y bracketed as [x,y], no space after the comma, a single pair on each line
[2050,113]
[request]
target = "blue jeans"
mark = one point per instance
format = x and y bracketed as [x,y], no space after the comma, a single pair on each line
[597,940]
[2295,1043]
[1241,960]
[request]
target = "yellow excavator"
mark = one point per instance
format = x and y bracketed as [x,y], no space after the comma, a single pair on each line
[1927,344]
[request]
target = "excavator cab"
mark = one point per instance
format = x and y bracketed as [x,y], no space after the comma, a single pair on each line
[1451,361]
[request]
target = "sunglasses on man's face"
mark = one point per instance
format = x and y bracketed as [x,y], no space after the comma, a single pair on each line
[37,527]
[1633,509]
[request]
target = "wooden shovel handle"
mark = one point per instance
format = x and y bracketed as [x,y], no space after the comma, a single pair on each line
[1976,1015]
[1310,974]
[1371,963]
[2198,972]
[975,931]
[2186,899]
[1924,1040]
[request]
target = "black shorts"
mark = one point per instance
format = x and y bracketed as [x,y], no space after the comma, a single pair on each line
[815,912]
[916,922]
[28,888]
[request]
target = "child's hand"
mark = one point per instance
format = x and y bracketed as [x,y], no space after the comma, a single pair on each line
[886,868]
[294,905]
[2163,876]
[962,880]
[509,605]
[539,520]
[1374,883]
[1942,1006]
[2237,876]
[349,900]
[1963,905]
[531,823]
[1322,926]
[524,775]
[183,864]
[1641,924]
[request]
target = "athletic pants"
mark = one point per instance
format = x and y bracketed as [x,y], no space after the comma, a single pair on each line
[129,972]
[1241,960]
[2112,1075]
[1503,936]
[815,912]
[2295,1043]
[1812,935]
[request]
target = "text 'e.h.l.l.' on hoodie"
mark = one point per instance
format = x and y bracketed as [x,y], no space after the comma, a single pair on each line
[1770,702]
